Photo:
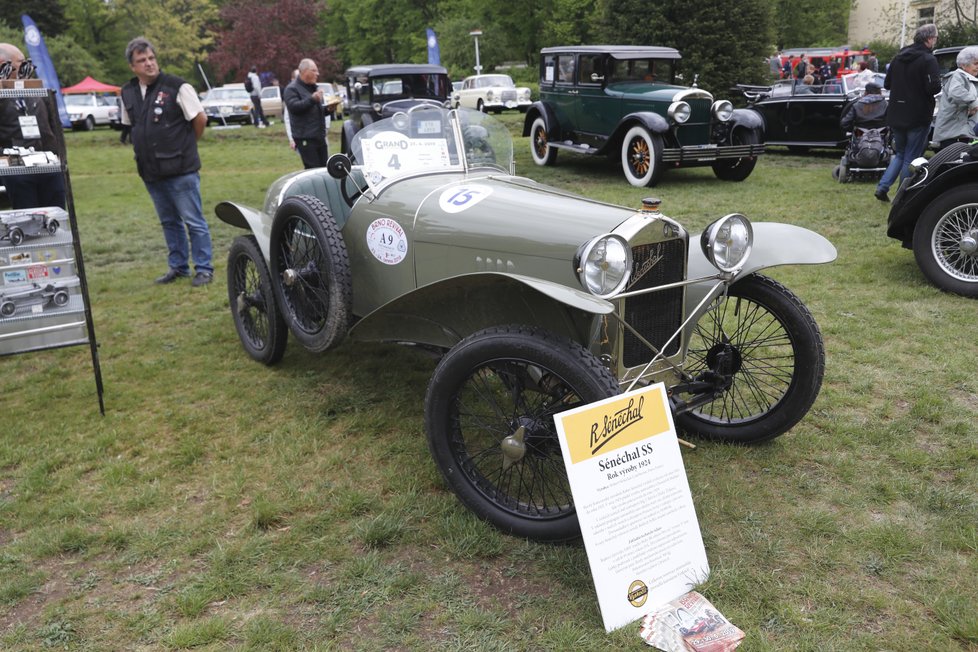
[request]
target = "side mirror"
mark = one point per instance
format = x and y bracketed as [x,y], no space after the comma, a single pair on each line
[338,166]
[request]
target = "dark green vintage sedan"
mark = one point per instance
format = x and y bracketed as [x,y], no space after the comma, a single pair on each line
[534,299]
[623,101]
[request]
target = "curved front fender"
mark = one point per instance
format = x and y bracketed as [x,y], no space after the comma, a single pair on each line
[747,118]
[444,312]
[244,217]
[540,109]
[774,244]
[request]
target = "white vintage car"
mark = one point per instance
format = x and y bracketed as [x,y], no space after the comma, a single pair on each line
[494,93]
[88,110]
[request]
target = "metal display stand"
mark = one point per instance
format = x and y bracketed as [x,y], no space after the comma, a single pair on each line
[44,299]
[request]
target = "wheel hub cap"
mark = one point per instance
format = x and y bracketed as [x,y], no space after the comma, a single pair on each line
[513,447]
[969,244]
[289,277]
[727,365]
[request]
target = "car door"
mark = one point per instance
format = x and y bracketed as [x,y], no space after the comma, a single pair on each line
[596,112]
[563,96]
[814,118]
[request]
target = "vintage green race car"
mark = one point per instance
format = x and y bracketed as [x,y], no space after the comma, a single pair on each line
[536,300]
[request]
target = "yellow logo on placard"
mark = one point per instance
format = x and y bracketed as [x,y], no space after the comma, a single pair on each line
[616,424]
[638,593]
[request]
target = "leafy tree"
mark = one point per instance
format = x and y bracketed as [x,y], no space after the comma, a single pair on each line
[722,47]
[95,25]
[48,15]
[811,24]
[71,62]
[380,31]
[274,37]
[570,22]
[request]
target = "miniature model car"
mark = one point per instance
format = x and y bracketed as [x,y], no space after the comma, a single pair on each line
[537,300]
[12,300]
[801,116]
[623,101]
[87,110]
[378,92]
[935,213]
[17,224]
[231,103]
[494,93]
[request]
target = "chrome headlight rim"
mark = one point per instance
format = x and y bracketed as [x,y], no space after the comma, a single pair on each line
[377,107]
[679,112]
[722,110]
[584,266]
[727,242]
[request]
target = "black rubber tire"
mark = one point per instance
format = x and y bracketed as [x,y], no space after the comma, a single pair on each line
[89,123]
[60,298]
[738,169]
[8,308]
[540,149]
[480,106]
[641,157]
[16,236]
[310,272]
[53,227]
[779,362]
[478,397]
[937,237]
[257,319]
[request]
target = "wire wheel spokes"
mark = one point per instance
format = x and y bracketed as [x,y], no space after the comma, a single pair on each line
[505,440]
[540,142]
[250,305]
[955,229]
[303,270]
[757,350]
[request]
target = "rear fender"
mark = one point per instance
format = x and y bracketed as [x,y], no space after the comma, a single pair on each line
[442,313]
[540,109]
[248,218]
[774,244]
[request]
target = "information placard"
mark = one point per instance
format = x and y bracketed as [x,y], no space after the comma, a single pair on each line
[633,501]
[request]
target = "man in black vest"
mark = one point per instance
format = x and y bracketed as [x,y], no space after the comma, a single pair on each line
[167,120]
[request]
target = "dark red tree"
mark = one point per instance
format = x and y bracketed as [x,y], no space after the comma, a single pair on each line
[274,37]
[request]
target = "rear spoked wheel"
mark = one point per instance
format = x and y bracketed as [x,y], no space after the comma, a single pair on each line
[260,326]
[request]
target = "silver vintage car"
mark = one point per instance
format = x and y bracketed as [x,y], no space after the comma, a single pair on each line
[536,300]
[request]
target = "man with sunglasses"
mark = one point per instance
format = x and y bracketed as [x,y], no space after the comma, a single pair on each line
[26,122]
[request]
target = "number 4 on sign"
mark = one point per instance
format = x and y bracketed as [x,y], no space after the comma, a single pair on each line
[394,164]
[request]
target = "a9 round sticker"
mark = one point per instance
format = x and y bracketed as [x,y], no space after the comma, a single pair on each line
[386,241]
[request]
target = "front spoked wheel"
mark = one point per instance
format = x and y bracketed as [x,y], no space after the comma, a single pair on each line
[765,343]
[489,418]
[945,241]
[260,326]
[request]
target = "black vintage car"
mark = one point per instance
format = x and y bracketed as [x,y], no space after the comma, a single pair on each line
[935,213]
[380,91]
[801,116]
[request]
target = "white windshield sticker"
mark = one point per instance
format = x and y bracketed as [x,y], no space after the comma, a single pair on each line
[392,154]
[460,198]
[386,241]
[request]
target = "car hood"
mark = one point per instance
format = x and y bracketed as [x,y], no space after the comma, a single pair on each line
[659,92]
[513,215]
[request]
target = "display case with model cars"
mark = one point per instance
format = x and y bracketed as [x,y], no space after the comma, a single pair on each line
[535,300]
[625,102]
[43,293]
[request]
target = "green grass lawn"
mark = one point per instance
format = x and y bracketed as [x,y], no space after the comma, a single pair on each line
[220,504]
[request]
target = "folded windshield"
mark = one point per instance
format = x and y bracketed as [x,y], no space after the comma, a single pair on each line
[432,140]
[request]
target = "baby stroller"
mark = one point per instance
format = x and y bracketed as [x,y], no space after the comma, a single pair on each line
[867,154]
[869,149]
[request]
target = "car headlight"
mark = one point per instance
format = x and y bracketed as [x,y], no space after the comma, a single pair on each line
[489,95]
[604,265]
[525,93]
[722,110]
[74,116]
[727,242]
[376,107]
[679,112]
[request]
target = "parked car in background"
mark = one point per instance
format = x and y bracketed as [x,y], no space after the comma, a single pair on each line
[271,101]
[802,116]
[332,99]
[380,91]
[624,102]
[494,93]
[88,110]
[947,58]
[935,213]
[534,299]
[227,104]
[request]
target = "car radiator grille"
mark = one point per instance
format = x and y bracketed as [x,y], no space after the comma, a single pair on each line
[655,315]
[508,96]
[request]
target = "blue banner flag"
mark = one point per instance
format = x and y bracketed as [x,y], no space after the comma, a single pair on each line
[434,54]
[38,53]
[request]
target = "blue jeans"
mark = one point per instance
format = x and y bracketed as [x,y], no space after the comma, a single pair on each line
[178,205]
[908,144]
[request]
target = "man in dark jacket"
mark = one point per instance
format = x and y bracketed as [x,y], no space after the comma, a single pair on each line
[912,79]
[307,115]
[868,111]
[167,119]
